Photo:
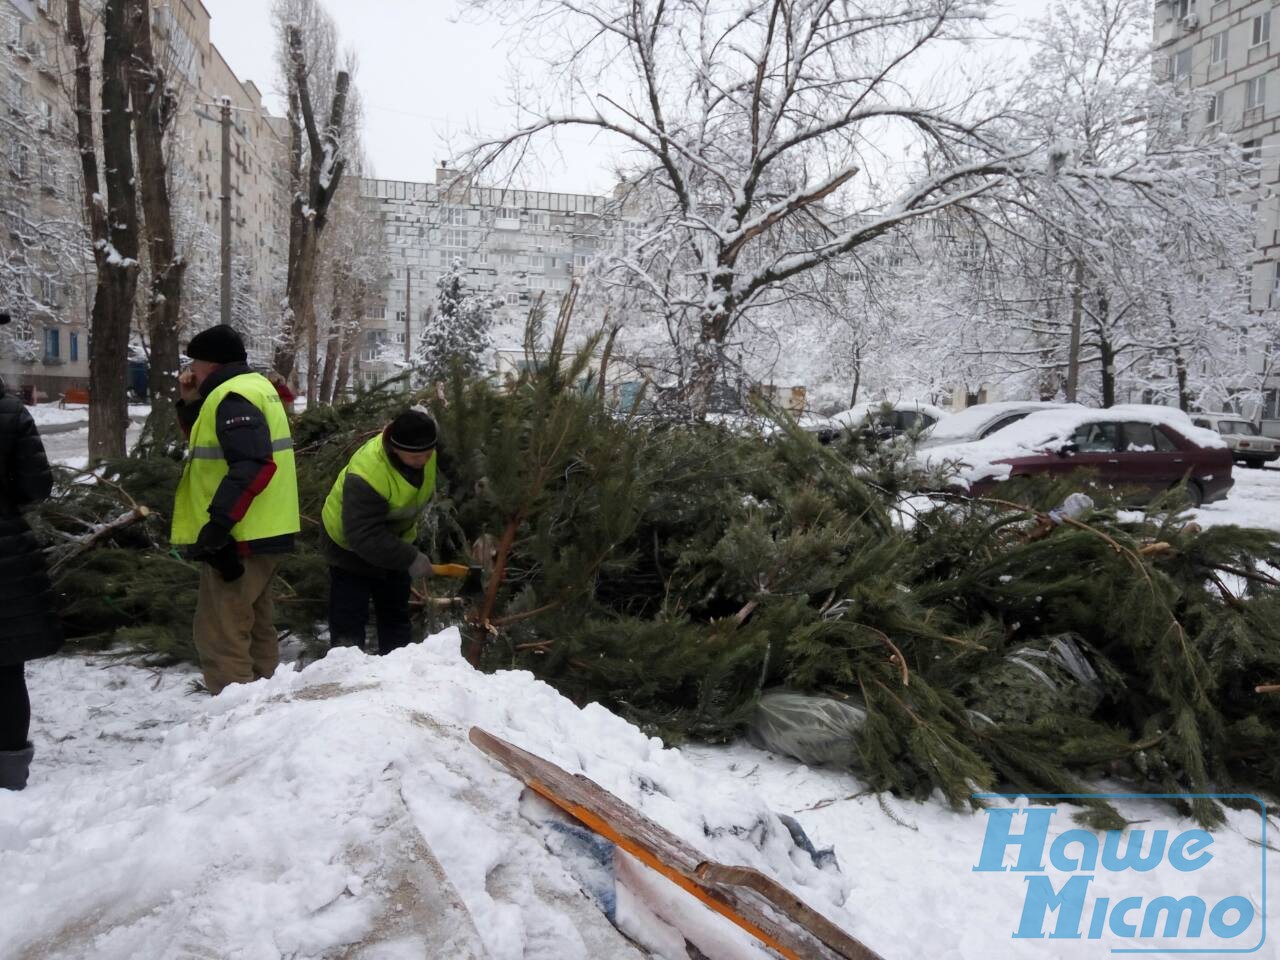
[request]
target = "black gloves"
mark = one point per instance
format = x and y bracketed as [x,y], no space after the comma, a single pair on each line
[215,546]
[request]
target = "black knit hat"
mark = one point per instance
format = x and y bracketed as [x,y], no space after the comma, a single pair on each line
[412,431]
[220,344]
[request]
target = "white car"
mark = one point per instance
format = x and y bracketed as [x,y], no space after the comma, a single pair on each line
[885,419]
[1248,445]
[982,420]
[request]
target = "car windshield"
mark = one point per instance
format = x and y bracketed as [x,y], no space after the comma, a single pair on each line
[1237,426]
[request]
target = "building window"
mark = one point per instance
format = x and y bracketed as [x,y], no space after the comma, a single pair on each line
[507,213]
[455,238]
[1181,8]
[1252,150]
[1255,99]
[1182,64]
[453,217]
[73,346]
[1218,48]
[52,344]
[1214,116]
[513,299]
[1261,28]
[1271,405]
[541,220]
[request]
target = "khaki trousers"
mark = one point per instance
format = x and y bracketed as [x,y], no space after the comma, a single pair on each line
[234,631]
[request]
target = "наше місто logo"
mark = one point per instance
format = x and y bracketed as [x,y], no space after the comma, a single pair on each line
[1162,886]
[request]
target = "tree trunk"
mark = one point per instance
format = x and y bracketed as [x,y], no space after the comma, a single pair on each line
[332,347]
[113,222]
[286,349]
[857,375]
[154,104]
[311,201]
[1179,360]
[1073,349]
[341,384]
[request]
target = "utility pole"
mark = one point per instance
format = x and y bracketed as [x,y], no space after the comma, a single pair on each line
[225,104]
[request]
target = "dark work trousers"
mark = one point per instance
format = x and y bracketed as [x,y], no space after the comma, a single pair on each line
[15,707]
[349,597]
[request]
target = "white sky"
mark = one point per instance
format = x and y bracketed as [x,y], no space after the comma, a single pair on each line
[428,79]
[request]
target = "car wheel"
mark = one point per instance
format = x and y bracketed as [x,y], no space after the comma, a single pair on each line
[1195,493]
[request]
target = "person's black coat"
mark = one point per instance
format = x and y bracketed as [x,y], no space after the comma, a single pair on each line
[29,627]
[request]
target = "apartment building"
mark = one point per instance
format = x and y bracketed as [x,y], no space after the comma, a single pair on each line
[511,244]
[44,181]
[1229,50]
[44,274]
[259,158]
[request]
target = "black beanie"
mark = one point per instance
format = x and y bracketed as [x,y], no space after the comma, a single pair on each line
[220,344]
[413,431]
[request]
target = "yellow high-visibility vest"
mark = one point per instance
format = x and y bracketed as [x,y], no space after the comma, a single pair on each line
[372,463]
[274,511]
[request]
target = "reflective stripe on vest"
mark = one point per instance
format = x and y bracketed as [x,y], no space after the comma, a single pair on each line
[215,452]
[373,465]
[274,511]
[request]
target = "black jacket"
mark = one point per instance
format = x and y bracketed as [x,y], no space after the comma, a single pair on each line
[29,628]
[246,443]
[375,548]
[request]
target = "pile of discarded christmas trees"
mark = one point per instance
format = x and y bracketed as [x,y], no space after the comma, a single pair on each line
[705,582]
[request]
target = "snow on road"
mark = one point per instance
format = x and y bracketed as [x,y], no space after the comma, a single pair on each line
[1254,501]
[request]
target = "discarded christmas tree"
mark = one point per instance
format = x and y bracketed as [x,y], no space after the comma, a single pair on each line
[678,572]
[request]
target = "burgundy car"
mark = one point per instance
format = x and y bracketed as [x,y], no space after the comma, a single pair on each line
[1144,449]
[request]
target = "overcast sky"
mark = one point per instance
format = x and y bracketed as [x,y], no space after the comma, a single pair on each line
[427,79]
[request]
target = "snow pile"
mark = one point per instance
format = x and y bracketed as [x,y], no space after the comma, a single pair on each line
[50,414]
[341,811]
[1044,432]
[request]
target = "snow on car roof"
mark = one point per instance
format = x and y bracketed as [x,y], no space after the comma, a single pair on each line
[857,415]
[968,423]
[1045,429]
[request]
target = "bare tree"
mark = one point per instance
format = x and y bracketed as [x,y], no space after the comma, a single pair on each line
[154,105]
[112,219]
[353,263]
[747,125]
[318,157]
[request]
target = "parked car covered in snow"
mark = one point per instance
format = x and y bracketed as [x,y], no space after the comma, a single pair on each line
[980,421]
[1246,441]
[886,419]
[1145,449]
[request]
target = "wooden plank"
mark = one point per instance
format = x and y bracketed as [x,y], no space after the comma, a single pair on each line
[755,902]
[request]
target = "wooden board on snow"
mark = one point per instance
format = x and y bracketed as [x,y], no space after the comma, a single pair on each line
[755,902]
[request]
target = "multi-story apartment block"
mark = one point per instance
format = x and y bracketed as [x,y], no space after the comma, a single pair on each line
[44,279]
[1229,50]
[511,245]
[259,150]
[44,180]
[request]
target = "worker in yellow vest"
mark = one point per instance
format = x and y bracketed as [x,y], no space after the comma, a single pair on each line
[236,509]
[371,528]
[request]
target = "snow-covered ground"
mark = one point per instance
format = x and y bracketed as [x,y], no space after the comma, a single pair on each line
[1254,501]
[341,812]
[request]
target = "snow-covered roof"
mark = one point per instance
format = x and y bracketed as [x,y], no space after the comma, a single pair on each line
[969,423]
[856,416]
[1047,430]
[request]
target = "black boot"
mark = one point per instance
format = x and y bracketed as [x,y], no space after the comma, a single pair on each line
[14,766]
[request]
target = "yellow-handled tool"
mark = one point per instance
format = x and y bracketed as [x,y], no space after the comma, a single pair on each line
[455,571]
[459,571]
